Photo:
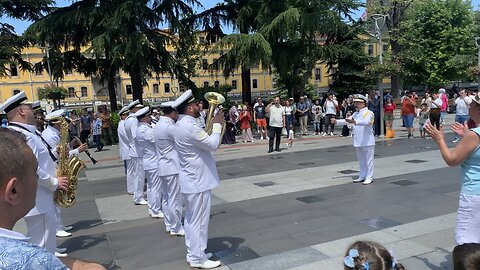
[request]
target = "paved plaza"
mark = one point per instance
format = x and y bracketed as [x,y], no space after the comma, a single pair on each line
[297,209]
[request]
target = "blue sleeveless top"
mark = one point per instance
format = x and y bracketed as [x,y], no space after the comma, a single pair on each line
[470,171]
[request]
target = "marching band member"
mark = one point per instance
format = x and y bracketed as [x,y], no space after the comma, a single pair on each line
[168,169]
[148,152]
[135,173]
[123,144]
[40,220]
[363,138]
[198,176]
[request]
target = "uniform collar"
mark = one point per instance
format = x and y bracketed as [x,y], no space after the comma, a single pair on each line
[29,127]
[143,123]
[185,116]
[167,119]
[13,235]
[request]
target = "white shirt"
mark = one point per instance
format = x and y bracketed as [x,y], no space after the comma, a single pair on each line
[47,181]
[331,106]
[276,115]
[131,125]
[198,169]
[167,155]
[52,136]
[437,103]
[146,142]
[462,105]
[363,128]
[123,140]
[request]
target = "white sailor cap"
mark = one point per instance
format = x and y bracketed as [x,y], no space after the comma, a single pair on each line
[133,104]
[168,104]
[142,112]
[36,106]
[55,115]
[183,100]
[124,110]
[360,98]
[13,102]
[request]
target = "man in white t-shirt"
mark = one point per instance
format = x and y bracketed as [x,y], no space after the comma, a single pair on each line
[462,103]
[330,108]
[277,122]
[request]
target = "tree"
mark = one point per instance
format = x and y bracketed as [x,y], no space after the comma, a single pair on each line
[11,45]
[302,33]
[437,37]
[55,93]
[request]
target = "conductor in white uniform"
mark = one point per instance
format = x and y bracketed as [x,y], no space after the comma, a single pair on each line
[40,220]
[169,168]
[135,173]
[198,176]
[123,144]
[363,138]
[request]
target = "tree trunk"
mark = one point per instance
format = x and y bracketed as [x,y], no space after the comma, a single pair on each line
[112,94]
[137,87]
[246,86]
[396,86]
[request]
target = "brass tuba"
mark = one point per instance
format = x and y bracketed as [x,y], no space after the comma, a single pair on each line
[214,99]
[69,167]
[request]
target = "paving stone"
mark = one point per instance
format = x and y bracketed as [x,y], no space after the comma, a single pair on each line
[404,182]
[265,184]
[240,254]
[436,260]
[380,222]
[311,199]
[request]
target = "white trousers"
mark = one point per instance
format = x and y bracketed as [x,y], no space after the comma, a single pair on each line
[130,188]
[467,229]
[137,176]
[58,219]
[173,207]
[154,190]
[365,159]
[197,217]
[41,230]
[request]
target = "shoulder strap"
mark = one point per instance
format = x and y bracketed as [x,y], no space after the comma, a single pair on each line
[49,148]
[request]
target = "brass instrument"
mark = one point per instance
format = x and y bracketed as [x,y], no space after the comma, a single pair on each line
[214,99]
[66,167]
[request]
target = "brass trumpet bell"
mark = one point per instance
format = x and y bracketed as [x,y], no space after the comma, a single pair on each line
[214,98]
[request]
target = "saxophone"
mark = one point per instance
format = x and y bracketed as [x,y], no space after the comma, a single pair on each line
[67,167]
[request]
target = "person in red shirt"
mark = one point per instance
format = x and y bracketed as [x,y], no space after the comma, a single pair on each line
[409,113]
[245,118]
[388,109]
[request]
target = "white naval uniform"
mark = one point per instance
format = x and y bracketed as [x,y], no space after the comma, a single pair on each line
[40,220]
[135,172]
[123,148]
[198,176]
[363,141]
[148,151]
[168,170]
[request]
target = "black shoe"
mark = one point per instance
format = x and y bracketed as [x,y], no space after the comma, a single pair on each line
[278,150]
[270,151]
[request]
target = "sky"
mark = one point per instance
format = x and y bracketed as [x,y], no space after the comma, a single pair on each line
[20,26]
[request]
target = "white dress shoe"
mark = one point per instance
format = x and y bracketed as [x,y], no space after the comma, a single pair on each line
[368,181]
[60,250]
[142,202]
[63,234]
[181,232]
[159,215]
[358,180]
[206,265]
[61,255]
[67,228]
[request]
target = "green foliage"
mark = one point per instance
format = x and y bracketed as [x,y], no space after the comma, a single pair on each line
[438,42]
[52,92]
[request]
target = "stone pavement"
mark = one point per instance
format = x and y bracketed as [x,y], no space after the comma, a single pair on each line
[297,209]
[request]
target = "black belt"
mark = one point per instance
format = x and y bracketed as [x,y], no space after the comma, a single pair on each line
[49,148]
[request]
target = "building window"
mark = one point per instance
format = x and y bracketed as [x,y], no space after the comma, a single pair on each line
[370,49]
[201,40]
[385,47]
[71,92]
[234,84]
[84,91]
[216,83]
[16,91]
[128,88]
[205,64]
[38,70]
[205,84]
[215,64]
[181,86]
[156,89]
[318,75]
[254,83]
[68,72]
[13,70]
[166,87]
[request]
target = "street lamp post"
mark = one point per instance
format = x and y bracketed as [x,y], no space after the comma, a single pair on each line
[477,43]
[380,20]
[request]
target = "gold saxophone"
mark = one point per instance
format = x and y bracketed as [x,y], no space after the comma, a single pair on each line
[67,167]
[214,99]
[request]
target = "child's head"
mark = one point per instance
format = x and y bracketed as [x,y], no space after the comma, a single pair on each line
[466,257]
[367,255]
[423,106]
[349,113]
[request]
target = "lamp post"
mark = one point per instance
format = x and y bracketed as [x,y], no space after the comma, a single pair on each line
[477,43]
[47,49]
[380,20]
